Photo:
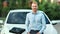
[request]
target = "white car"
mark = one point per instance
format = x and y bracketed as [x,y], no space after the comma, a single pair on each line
[16,18]
[1,24]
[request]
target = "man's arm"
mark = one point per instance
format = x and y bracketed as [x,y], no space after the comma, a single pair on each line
[43,24]
[27,23]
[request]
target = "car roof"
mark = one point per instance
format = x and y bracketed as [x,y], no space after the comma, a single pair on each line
[21,10]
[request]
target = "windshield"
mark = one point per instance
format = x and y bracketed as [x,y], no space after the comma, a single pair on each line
[17,18]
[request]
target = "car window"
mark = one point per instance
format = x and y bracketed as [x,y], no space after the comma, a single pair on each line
[17,18]
[47,21]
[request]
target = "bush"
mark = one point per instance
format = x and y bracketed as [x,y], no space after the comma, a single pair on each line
[4,12]
[52,10]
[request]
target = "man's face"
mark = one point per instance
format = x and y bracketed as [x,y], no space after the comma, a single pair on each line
[34,7]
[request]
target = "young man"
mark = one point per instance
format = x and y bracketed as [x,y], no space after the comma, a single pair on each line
[35,21]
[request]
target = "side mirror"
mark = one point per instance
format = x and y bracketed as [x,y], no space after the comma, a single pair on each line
[53,22]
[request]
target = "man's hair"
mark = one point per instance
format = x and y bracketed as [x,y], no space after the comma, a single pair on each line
[34,2]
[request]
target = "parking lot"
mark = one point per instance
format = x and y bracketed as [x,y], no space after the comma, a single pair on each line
[57,26]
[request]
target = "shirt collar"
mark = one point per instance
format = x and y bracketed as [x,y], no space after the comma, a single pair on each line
[35,13]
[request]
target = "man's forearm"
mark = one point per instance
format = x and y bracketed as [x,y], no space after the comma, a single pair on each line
[43,28]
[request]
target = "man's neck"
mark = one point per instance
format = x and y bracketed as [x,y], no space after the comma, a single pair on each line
[34,12]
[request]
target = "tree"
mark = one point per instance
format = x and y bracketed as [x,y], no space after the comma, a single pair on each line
[0,7]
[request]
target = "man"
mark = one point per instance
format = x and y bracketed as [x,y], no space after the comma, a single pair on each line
[35,21]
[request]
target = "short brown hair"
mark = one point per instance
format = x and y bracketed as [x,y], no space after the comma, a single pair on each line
[34,2]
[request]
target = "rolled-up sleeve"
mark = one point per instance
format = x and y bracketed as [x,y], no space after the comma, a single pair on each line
[43,24]
[27,23]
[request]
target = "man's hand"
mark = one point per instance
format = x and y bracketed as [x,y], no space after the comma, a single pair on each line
[28,33]
[38,33]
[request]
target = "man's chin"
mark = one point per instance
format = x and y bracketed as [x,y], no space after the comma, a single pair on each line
[35,10]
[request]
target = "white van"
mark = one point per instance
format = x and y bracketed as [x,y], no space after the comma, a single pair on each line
[16,18]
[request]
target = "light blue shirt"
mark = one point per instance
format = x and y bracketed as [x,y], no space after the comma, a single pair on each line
[35,21]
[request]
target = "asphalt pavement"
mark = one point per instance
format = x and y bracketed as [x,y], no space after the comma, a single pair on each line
[57,27]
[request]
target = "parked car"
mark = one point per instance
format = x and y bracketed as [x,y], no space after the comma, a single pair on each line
[1,24]
[16,18]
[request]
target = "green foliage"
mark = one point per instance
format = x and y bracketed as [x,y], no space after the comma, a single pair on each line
[52,10]
[21,4]
[4,12]
[0,7]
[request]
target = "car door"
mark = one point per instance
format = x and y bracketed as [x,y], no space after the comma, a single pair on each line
[49,27]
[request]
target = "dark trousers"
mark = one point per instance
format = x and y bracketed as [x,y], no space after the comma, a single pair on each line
[34,31]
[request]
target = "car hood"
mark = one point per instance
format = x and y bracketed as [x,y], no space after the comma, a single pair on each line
[49,28]
[10,26]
